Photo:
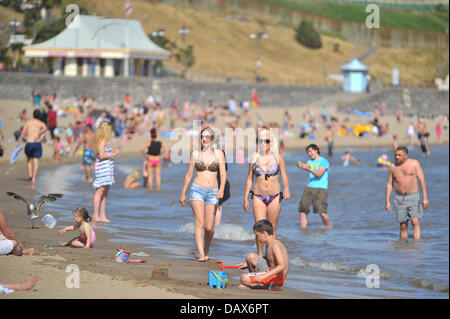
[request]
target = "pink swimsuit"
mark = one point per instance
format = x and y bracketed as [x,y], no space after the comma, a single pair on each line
[84,237]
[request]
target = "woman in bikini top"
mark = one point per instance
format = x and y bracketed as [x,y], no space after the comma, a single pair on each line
[200,166]
[205,191]
[264,169]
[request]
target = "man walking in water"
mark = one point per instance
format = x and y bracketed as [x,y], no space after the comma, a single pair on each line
[34,130]
[316,191]
[88,151]
[404,173]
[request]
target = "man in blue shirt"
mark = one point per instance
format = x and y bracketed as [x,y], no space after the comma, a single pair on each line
[316,191]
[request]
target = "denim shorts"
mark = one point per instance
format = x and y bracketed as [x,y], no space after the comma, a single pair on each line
[206,195]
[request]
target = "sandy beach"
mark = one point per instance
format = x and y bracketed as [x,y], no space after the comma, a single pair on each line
[161,277]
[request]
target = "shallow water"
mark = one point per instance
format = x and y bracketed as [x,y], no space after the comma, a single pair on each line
[339,263]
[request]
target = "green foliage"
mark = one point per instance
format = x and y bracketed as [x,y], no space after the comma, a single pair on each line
[432,20]
[336,47]
[163,42]
[4,57]
[307,36]
[47,31]
[185,56]
[441,8]
[31,16]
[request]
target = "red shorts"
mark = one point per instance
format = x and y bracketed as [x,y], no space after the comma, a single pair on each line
[276,280]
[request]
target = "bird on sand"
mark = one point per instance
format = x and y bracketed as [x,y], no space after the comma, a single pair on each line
[34,210]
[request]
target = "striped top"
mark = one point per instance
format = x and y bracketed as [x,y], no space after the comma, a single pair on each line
[104,170]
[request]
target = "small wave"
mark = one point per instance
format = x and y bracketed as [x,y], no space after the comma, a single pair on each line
[224,231]
[430,285]
[360,272]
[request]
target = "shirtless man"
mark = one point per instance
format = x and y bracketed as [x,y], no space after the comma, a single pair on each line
[34,130]
[405,172]
[9,243]
[88,151]
[271,270]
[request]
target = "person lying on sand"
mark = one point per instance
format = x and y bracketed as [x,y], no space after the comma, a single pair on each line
[18,286]
[9,243]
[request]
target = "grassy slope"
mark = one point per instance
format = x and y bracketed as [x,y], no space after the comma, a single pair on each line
[429,20]
[416,66]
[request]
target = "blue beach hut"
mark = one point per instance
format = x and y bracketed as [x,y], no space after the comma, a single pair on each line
[355,76]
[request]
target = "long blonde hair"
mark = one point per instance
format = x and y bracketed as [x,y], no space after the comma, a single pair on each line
[273,139]
[103,132]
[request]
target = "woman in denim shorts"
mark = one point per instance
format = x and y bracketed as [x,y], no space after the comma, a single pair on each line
[205,191]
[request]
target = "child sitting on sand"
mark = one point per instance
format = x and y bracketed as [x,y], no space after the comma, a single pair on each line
[132,180]
[87,234]
[270,270]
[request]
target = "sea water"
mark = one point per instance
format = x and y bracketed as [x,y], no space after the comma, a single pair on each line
[361,256]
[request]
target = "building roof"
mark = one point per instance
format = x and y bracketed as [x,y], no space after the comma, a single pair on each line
[100,34]
[354,65]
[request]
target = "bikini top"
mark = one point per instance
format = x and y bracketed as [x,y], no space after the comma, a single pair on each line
[271,170]
[200,166]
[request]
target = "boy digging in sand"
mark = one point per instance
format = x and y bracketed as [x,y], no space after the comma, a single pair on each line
[271,270]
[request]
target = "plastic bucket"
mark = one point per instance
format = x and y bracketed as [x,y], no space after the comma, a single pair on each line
[122,256]
[217,279]
[49,221]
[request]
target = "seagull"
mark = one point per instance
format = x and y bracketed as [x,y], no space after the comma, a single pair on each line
[33,211]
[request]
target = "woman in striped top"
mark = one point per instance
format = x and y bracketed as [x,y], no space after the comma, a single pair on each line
[104,170]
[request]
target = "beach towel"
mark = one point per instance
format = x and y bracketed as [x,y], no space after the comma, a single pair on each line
[15,154]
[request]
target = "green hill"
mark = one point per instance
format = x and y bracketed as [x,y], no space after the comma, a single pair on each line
[431,20]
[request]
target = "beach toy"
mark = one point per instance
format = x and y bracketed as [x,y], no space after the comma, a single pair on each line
[15,154]
[382,161]
[49,221]
[122,256]
[217,279]
[223,266]
[137,261]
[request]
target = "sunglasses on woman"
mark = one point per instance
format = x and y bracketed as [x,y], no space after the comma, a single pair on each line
[261,141]
[205,137]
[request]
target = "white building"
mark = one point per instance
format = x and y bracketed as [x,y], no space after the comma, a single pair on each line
[99,46]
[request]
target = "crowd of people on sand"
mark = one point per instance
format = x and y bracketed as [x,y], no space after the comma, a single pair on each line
[94,130]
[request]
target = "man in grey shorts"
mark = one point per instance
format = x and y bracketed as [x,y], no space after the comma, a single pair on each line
[405,173]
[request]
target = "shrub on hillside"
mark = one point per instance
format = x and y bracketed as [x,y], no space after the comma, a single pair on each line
[307,36]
